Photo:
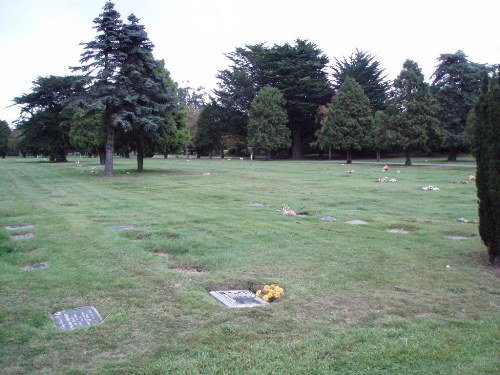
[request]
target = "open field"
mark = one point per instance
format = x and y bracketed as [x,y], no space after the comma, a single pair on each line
[359,299]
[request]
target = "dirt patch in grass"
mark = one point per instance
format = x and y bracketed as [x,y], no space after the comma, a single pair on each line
[187,269]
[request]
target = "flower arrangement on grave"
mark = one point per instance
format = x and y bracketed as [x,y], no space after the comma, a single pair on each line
[430,188]
[349,171]
[472,178]
[386,168]
[287,211]
[270,293]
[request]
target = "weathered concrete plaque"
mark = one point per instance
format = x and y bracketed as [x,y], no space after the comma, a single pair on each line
[37,266]
[238,298]
[19,227]
[356,222]
[76,318]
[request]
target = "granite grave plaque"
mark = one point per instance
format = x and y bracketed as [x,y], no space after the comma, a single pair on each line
[238,298]
[76,318]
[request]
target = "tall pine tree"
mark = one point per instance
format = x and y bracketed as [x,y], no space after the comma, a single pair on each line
[101,62]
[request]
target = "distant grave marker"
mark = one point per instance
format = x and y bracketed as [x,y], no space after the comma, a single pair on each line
[19,227]
[456,237]
[80,317]
[255,204]
[356,222]
[328,218]
[121,228]
[23,236]
[397,230]
[238,298]
[37,266]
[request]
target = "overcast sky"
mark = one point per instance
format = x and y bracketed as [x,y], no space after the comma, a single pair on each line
[41,37]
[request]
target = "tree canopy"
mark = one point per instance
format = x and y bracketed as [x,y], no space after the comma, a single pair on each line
[298,71]
[412,123]
[348,120]
[4,138]
[367,72]
[44,121]
[486,149]
[267,128]
[456,84]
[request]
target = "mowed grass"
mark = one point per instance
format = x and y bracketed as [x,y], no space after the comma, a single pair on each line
[359,300]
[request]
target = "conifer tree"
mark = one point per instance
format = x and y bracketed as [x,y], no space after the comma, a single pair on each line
[348,121]
[267,123]
[412,123]
[101,62]
[4,137]
[486,149]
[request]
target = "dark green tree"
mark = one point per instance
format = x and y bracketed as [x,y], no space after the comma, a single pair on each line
[211,129]
[378,137]
[367,72]
[101,62]
[412,123]
[456,84]
[267,123]
[348,121]
[44,120]
[298,71]
[145,90]
[87,133]
[4,138]
[486,149]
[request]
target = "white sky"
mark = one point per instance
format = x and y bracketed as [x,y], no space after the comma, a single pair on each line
[41,37]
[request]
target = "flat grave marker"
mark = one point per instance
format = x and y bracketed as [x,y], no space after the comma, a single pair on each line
[398,230]
[328,218]
[356,222]
[37,266]
[121,228]
[256,204]
[238,298]
[80,317]
[19,227]
[23,236]
[456,237]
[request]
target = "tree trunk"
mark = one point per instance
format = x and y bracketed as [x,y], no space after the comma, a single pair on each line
[140,152]
[378,155]
[268,154]
[165,155]
[349,156]
[102,156]
[222,150]
[330,152]
[297,142]
[408,159]
[210,154]
[452,154]
[110,145]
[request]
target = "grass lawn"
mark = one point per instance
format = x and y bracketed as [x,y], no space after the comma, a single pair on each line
[358,299]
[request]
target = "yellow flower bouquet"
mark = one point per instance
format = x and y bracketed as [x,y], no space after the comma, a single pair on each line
[270,293]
